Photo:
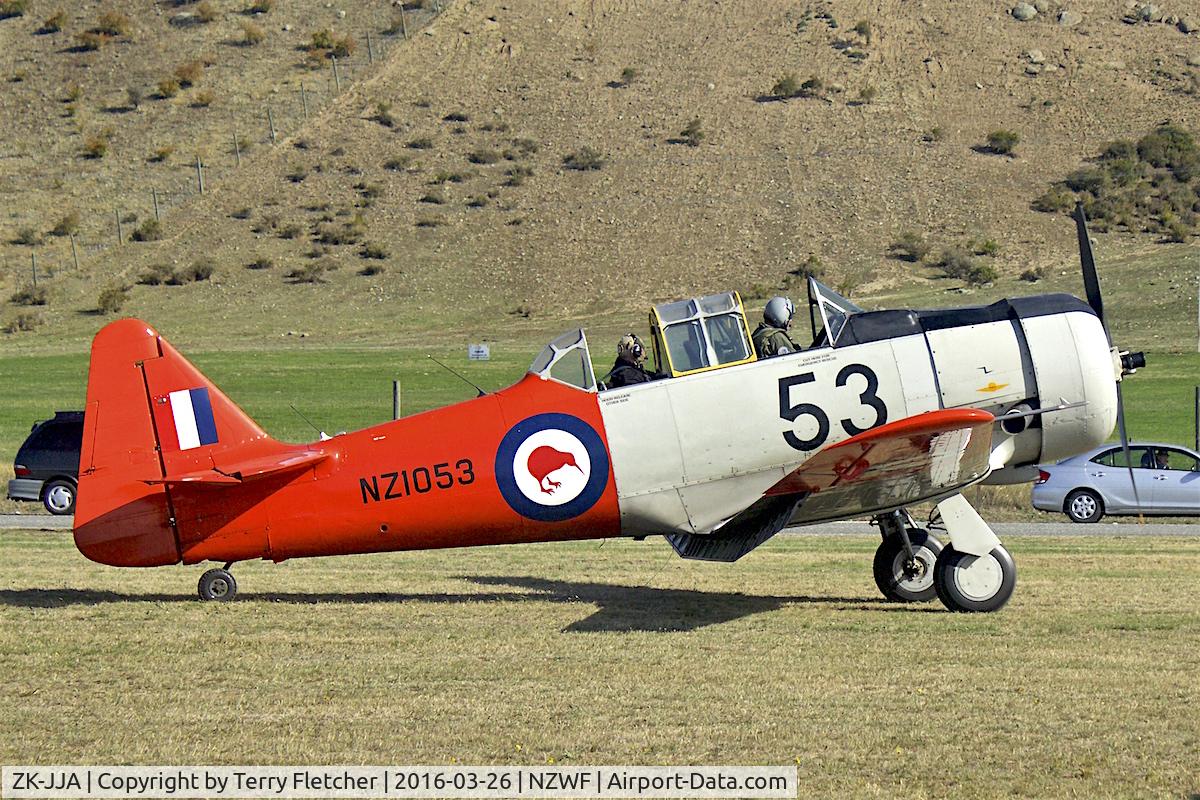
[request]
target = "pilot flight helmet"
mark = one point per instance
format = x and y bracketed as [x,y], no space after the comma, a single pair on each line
[779,312]
[631,349]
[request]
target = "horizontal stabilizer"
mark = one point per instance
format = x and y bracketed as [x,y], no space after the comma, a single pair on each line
[243,471]
[913,459]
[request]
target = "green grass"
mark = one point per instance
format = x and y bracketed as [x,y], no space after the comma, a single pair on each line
[582,653]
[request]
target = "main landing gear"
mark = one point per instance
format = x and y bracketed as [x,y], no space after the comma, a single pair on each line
[218,584]
[904,562]
[913,566]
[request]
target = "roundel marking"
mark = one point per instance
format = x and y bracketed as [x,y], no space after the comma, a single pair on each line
[551,467]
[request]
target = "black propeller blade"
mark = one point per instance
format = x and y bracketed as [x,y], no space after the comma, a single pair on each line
[1129,361]
[1091,280]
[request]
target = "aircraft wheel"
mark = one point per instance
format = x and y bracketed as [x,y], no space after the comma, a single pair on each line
[974,583]
[1084,505]
[901,581]
[217,584]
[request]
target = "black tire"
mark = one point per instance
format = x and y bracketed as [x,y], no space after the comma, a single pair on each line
[1083,505]
[217,584]
[58,496]
[891,576]
[974,584]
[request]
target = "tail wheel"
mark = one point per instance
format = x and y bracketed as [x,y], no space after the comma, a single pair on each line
[900,579]
[1084,505]
[974,583]
[217,584]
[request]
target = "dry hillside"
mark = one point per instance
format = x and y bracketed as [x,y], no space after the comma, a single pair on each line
[433,190]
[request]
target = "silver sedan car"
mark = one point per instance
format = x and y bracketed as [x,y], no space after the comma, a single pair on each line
[1088,486]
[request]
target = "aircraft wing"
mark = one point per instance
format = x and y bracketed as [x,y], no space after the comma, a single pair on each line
[913,459]
[907,461]
[245,470]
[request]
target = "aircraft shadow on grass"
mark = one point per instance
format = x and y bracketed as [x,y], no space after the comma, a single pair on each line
[621,608]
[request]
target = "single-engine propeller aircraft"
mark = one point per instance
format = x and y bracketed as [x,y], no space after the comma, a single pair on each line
[884,410]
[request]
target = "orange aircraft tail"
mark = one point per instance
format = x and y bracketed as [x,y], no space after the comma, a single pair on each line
[153,423]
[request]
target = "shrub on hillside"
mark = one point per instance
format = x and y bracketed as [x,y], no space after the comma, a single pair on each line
[911,246]
[161,154]
[585,158]
[375,251]
[1002,141]
[312,272]
[957,263]
[329,43]
[167,88]
[260,263]
[95,146]
[67,224]
[29,296]
[28,236]
[112,299]
[113,23]
[420,143]
[1152,185]
[24,321]
[90,40]
[55,22]
[206,12]
[787,86]
[199,270]
[483,157]
[189,73]
[692,135]
[204,98]
[149,231]
[252,34]
[157,274]
[261,6]
[13,8]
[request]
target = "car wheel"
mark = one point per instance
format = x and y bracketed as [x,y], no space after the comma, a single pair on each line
[1084,505]
[58,496]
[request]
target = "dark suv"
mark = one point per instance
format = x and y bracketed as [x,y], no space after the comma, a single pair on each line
[47,466]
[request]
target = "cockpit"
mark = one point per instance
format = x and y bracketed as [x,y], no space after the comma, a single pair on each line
[711,332]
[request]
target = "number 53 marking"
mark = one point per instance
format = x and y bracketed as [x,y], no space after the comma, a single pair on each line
[791,413]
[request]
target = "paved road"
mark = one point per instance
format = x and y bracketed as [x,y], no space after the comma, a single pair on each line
[44,522]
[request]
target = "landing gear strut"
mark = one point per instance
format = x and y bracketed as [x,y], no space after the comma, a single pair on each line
[904,562]
[218,584]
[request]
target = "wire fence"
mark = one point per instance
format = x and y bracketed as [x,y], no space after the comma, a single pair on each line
[285,114]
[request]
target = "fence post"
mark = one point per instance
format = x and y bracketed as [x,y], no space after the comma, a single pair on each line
[403,23]
[120,235]
[199,175]
[74,251]
[337,82]
[304,99]
[154,195]
[395,399]
[237,149]
[271,122]
[370,55]
[1197,420]
[33,261]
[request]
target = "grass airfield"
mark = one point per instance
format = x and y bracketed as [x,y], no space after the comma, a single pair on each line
[617,653]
